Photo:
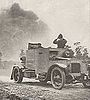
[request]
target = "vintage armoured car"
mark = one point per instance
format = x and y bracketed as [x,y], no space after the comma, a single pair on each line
[50,64]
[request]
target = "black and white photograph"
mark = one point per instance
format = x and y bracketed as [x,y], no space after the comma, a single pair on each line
[44,49]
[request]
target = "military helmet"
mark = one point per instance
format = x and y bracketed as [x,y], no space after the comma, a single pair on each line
[60,36]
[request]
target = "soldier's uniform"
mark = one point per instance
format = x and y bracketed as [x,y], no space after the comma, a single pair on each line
[23,58]
[60,41]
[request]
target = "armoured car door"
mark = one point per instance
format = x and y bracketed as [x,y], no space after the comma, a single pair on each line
[30,59]
[42,59]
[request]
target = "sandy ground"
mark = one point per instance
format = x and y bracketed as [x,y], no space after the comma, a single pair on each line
[34,90]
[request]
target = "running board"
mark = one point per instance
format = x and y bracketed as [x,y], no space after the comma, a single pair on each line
[29,74]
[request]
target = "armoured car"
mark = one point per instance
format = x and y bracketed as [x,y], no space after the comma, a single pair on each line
[57,65]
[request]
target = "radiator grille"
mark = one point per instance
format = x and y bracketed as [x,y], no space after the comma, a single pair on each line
[75,68]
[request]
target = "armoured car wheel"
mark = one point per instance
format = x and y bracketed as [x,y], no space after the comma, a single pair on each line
[57,78]
[86,84]
[18,75]
[68,54]
[85,81]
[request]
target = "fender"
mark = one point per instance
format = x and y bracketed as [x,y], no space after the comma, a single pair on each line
[19,66]
[63,66]
[60,65]
[13,67]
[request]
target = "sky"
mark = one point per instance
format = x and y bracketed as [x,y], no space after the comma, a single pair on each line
[69,17]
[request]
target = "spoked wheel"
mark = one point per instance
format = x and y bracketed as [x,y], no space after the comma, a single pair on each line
[57,78]
[18,75]
[86,84]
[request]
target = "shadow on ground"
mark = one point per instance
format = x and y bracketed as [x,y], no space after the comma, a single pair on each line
[49,85]
[41,84]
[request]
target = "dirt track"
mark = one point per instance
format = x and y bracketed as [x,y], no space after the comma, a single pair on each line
[33,90]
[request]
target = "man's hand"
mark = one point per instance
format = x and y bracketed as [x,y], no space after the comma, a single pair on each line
[58,39]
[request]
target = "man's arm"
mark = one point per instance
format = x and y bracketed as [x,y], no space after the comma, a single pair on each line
[55,41]
[65,41]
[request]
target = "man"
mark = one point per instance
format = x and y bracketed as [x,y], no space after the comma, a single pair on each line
[23,58]
[60,41]
[23,62]
[22,53]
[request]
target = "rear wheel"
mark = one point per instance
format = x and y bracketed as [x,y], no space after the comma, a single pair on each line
[18,75]
[58,78]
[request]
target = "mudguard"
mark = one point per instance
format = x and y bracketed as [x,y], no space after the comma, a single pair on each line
[60,65]
[20,66]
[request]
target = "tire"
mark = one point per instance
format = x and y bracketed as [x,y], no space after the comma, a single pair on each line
[18,75]
[68,54]
[58,78]
[85,81]
[86,84]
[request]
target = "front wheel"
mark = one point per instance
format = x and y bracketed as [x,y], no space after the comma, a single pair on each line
[58,78]
[85,81]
